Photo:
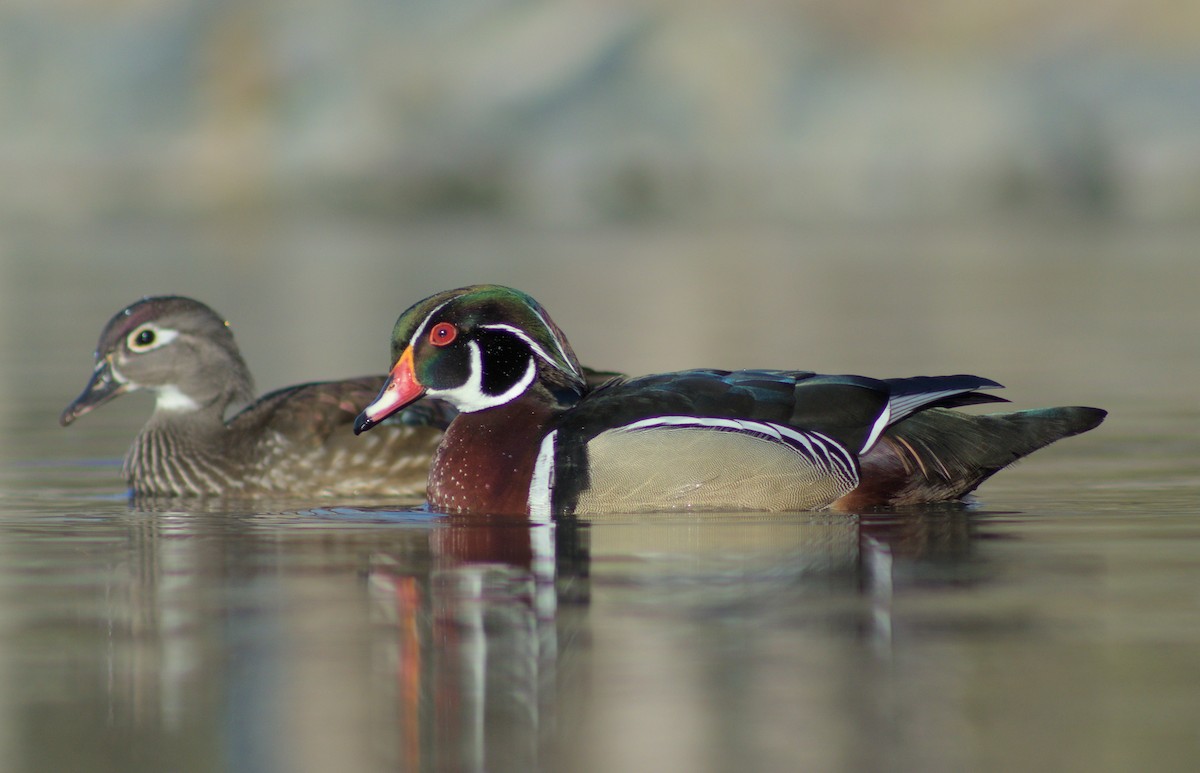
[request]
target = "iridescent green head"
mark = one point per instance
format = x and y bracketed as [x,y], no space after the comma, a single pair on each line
[477,347]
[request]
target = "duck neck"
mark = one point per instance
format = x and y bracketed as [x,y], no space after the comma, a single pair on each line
[485,461]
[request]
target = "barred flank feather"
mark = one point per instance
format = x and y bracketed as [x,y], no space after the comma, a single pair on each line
[941,454]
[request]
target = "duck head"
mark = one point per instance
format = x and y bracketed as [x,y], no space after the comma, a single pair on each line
[477,348]
[174,346]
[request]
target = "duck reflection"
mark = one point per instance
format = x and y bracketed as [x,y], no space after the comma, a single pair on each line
[477,641]
[366,639]
[475,645]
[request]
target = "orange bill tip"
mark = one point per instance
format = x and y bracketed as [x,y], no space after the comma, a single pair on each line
[400,390]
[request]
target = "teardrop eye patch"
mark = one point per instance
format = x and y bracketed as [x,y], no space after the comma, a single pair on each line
[149,337]
[442,334]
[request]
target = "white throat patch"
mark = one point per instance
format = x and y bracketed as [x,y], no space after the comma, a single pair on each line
[470,396]
[171,399]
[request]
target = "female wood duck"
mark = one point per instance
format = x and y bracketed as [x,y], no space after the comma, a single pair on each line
[533,438]
[293,442]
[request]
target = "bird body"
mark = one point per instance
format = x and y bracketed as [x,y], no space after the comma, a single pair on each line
[534,438]
[293,442]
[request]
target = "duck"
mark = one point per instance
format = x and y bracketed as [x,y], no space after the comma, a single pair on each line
[294,442]
[533,438]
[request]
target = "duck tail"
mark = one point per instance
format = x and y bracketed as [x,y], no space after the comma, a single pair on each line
[940,455]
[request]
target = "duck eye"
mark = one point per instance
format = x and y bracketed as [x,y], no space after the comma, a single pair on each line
[148,337]
[442,334]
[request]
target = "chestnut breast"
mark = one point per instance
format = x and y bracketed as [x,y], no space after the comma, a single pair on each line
[485,462]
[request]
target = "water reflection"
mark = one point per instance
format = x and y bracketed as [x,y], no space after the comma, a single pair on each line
[473,646]
[277,639]
[469,647]
[368,639]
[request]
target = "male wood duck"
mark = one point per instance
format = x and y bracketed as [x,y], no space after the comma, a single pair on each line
[294,442]
[532,438]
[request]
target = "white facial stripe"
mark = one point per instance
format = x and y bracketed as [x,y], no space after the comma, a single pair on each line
[171,399]
[541,485]
[558,343]
[416,336]
[469,397]
[534,345]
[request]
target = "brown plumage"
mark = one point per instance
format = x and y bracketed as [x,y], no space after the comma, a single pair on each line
[295,442]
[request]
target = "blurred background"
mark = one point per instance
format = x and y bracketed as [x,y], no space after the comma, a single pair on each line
[582,111]
[1007,187]
[1001,187]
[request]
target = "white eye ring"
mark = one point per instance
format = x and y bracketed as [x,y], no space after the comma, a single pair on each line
[148,337]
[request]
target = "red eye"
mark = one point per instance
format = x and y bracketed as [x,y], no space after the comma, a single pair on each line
[442,334]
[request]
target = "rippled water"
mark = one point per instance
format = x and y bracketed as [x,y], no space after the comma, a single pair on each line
[1052,624]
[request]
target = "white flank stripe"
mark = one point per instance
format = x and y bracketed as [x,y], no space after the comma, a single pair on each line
[541,485]
[836,456]
[816,444]
[881,424]
[833,451]
[690,421]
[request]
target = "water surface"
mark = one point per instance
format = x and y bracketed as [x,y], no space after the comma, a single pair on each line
[1051,624]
